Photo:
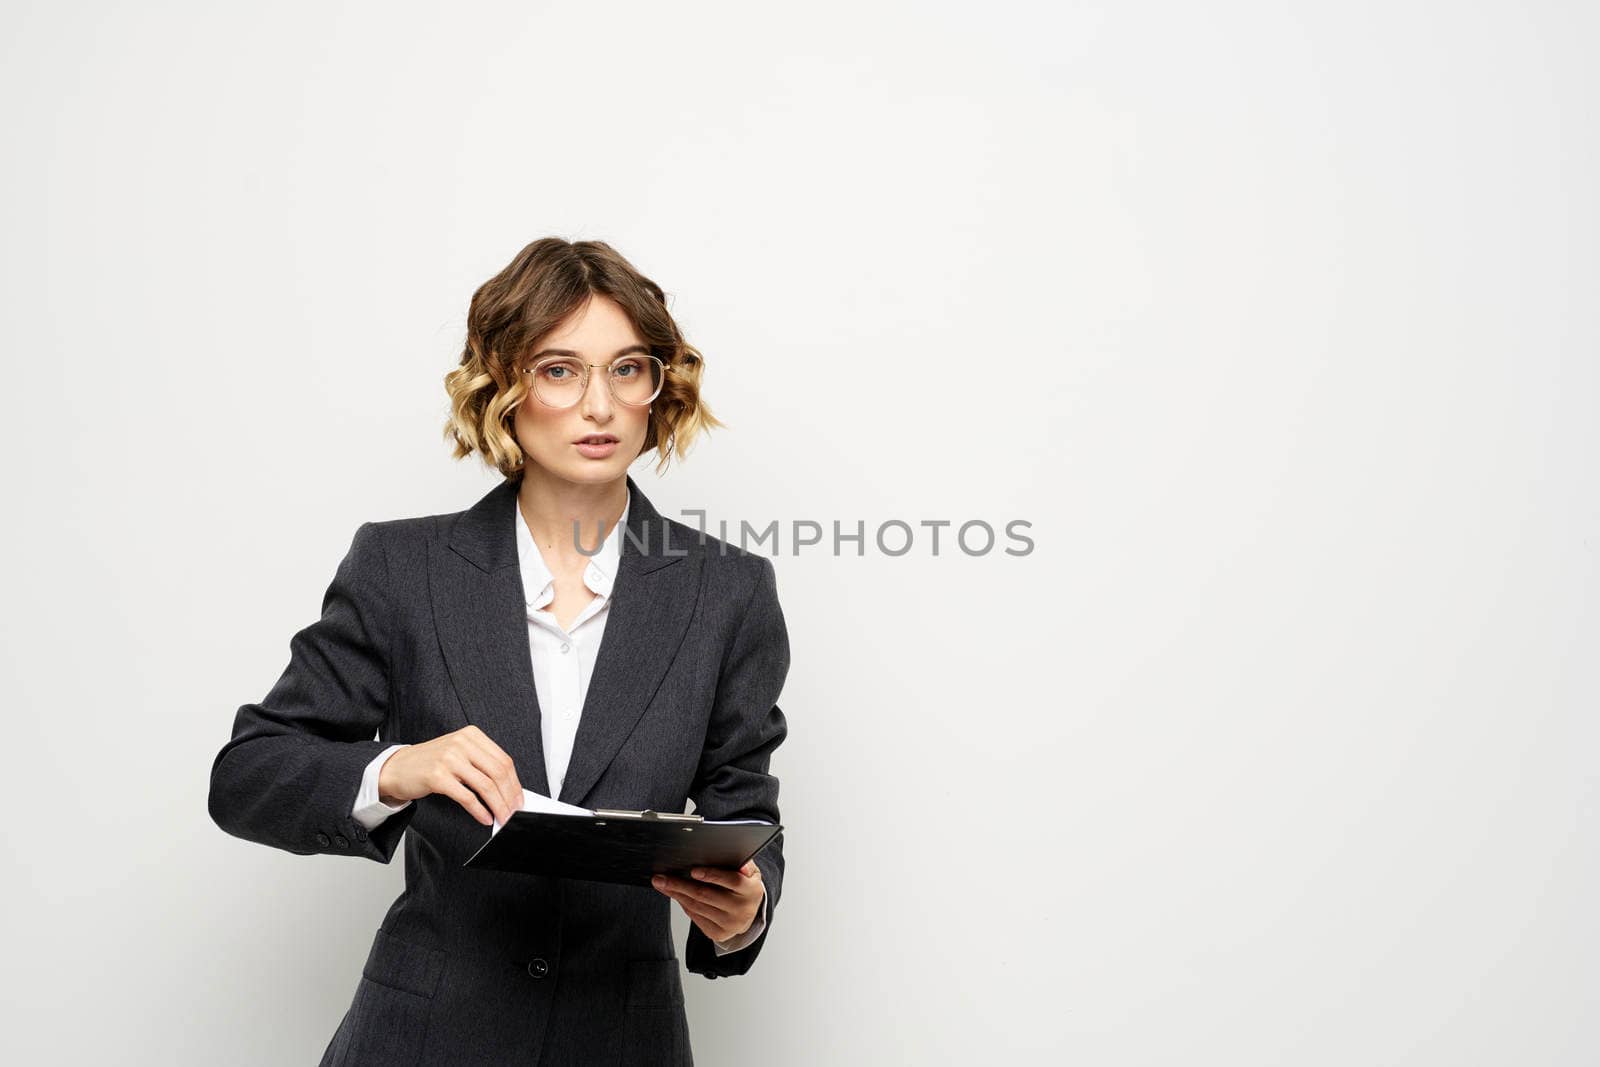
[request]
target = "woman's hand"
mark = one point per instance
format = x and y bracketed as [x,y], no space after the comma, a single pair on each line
[464,765]
[722,902]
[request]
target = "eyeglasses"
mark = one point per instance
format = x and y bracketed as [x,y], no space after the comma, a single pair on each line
[559,381]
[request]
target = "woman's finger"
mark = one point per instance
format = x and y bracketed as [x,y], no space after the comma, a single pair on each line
[498,765]
[718,876]
[453,788]
[490,793]
[699,904]
[704,917]
[702,888]
[686,887]
[488,779]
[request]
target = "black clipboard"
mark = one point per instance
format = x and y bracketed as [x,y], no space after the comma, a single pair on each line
[623,847]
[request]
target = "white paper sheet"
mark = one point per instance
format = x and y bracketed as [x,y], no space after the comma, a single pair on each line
[532,801]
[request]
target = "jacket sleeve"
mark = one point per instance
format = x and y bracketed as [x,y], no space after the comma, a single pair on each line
[290,774]
[732,781]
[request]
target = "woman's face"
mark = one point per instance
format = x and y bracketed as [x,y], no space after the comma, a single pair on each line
[595,333]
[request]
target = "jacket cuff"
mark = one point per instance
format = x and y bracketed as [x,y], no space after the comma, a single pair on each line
[369,809]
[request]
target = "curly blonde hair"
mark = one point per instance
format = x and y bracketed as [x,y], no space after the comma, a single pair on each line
[511,312]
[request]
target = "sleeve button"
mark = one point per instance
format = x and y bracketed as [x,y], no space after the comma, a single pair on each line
[323,839]
[341,841]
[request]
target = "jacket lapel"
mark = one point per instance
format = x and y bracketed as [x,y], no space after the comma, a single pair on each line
[481,616]
[656,592]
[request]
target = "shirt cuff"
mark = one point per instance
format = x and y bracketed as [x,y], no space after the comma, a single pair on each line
[369,811]
[739,941]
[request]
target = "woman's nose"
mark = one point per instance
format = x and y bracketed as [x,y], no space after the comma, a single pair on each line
[597,395]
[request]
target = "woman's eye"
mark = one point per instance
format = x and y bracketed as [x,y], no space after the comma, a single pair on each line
[625,370]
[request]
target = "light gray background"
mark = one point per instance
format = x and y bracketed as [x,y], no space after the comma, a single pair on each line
[1276,321]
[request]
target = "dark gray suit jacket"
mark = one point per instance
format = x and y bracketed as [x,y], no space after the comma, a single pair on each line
[424,630]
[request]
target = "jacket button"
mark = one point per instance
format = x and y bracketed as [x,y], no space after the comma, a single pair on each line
[340,841]
[323,839]
[361,835]
[538,968]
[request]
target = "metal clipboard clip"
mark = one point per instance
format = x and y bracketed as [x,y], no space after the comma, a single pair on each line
[653,816]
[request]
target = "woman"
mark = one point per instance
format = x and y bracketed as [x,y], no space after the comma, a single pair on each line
[472,644]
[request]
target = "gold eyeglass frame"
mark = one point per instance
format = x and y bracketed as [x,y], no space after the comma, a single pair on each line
[611,384]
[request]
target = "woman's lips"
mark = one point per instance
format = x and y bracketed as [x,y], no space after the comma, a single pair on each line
[597,450]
